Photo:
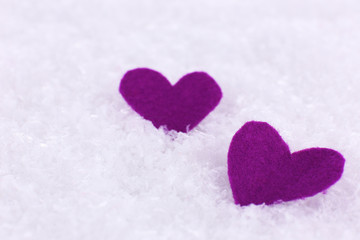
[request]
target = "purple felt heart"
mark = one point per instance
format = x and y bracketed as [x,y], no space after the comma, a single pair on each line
[180,107]
[262,170]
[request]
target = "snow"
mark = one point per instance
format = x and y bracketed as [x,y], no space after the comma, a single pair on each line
[77,163]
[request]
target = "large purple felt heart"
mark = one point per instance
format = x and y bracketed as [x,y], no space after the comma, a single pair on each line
[180,107]
[262,170]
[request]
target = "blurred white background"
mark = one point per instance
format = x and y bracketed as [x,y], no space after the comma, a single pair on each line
[77,163]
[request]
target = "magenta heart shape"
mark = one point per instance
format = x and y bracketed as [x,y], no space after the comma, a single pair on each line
[180,107]
[262,170]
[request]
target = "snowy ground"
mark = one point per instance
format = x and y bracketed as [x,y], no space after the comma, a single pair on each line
[77,163]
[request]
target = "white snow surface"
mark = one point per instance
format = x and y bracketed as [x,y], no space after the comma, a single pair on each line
[77,163]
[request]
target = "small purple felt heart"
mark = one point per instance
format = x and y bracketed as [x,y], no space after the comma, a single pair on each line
[262,170]
[180,107]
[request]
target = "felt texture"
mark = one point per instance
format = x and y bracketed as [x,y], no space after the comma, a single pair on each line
[262,170]
[180,107]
